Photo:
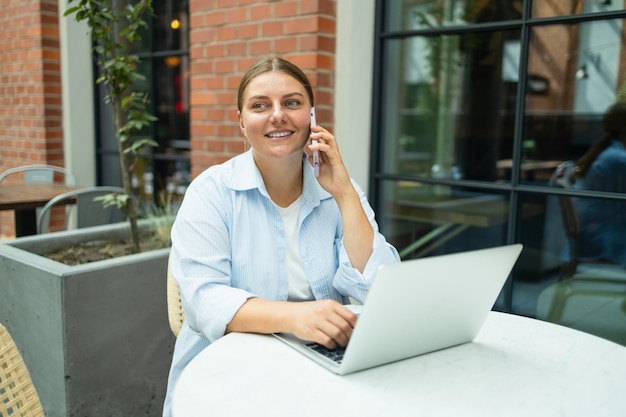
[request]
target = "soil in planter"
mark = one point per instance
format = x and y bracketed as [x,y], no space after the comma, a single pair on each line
[104,249]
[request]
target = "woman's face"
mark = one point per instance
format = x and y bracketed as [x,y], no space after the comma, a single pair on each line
[275,115]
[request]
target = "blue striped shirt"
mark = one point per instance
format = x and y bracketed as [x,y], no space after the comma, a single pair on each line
[228,245]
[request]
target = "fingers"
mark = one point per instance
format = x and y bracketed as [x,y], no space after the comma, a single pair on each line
[324,142]
[330,323]
[323,136]
[340,330]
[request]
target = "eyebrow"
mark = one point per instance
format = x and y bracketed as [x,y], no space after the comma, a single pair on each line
[261,97]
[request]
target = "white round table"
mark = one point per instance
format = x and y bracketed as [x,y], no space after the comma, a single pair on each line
[516,366]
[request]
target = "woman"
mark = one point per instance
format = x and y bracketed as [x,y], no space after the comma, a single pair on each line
[603,168]
[262,245]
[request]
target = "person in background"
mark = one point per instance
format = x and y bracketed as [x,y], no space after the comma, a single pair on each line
[603,168]
[262,245]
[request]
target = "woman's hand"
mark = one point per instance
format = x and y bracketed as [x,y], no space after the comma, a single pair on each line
[326,322]
[333,177]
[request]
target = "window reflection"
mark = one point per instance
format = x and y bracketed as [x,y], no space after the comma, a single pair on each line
[553,283]
[542,8]
[452,106]
[424,220]
[477,122]
[584,71]
[422,14]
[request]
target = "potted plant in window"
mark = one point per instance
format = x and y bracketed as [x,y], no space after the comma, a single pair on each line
[95,336]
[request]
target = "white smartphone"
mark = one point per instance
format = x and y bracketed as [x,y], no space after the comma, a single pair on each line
[316,154]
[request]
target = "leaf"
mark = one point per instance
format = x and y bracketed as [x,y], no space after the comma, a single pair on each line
[71,10]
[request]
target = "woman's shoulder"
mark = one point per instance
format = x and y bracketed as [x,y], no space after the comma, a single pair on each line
[614,156]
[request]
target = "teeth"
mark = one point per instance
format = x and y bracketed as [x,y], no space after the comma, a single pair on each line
[278,134]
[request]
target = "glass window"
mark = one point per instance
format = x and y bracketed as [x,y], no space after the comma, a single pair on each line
[423,220]
[503,128]
[582,67]
[423,14]
[163,172]
[543,8]
[450,104]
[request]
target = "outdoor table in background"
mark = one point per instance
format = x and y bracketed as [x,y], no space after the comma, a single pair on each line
[452,215]
[25,199]
[532,170]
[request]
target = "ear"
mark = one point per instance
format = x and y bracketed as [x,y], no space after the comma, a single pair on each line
[242,127]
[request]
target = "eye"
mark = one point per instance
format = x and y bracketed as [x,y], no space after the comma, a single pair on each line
[292,103]
[258,106]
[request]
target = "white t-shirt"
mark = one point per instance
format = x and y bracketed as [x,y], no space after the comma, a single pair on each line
[299,289]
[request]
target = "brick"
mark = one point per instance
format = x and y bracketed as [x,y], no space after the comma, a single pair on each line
[305,24]
[226,34]
[216,18]
[289,44]
[226,99]
[224,66]
[202,98]
[215,83]
[196,52]
[197,20]
[203,129]
[286,9]
[237,15]
[309,7]
[263,47]
[215,115]
[272,29]
[261,12]
[225,3]
[216,51]
[201,5]
[230,130]
[244,64]
[251,30]
[238,48]
[202,36]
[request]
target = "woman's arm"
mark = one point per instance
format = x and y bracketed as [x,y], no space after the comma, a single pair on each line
[358,234]
[325,321]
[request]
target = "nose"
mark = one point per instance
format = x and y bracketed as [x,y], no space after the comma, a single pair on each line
[278,114]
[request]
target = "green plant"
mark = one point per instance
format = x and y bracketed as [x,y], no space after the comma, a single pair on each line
[115,27]
[161,217]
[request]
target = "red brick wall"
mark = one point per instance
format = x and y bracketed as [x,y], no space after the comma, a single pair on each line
[30,88]
[226,37]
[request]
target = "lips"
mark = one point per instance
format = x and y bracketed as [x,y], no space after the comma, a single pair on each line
[279,134]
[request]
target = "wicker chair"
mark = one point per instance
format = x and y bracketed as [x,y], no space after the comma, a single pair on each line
[175,312]
[18,396]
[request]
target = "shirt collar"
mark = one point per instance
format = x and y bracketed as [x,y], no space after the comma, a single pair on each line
[246,176]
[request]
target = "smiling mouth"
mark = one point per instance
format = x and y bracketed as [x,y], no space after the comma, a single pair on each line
[278,135]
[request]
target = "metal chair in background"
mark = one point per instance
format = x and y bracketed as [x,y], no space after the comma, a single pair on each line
[89,212]
[583,277]
[40,174]
[594,290]
[18,396]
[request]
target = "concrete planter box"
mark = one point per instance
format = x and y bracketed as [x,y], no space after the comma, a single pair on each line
[95,337]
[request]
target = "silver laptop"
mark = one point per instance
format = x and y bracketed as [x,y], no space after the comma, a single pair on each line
[419,306]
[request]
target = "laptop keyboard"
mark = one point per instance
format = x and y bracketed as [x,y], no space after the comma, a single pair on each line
[335,355]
